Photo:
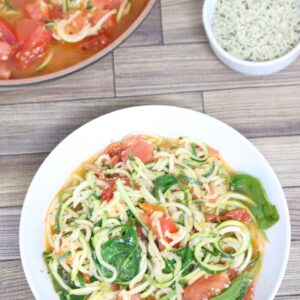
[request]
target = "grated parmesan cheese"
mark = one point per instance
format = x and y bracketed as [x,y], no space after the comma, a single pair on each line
[257,30]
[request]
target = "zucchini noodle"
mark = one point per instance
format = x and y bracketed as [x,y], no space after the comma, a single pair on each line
[149,227]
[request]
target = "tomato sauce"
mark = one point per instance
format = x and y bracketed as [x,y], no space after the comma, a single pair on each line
[33,54]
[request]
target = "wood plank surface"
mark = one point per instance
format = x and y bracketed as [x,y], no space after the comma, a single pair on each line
[150,31]
[270,111]
[182,68]
[94,81]
[38,127]
[182,21]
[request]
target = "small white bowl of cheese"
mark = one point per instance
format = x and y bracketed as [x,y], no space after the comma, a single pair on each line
[253,37]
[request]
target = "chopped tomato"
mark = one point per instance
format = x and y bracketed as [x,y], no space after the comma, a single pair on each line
[166,224]
[55,12]
[25,27]
[107,194]
[239,214]
[107,4]
[17,4]
[114,149]
[137,146]
[149,208]
[5,51]
[5,71]
[6,34]
[213,152]
[211,217]
[146,219]
[95,42]
[250,292]
[34,47]
[36,12]
[206,287]
[232,273]
[115,287]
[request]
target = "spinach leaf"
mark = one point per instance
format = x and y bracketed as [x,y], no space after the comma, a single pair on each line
[187,259]
[265,213]
[169,268]
[164,182]
[124,253]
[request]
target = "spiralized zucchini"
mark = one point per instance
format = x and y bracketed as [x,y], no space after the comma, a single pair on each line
[184,191]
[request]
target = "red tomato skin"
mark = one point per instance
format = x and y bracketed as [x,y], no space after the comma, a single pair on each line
[137,146]
[250,292]
[6,34]
[107,194]
[114,149]
[206,287]
[239,214]
[33,48]
[5,51]
[55,12]
[107,4]
[146,219]
[25,27]
[34,11]
[5,71]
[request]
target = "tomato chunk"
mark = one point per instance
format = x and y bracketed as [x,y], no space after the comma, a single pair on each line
[5,51]
[250,292]
[6,34]
[25,27]
[107,4]
[149,208]
[107,194]
[33,48]
[137,146]
[239,214]
[36,12]
[206,287]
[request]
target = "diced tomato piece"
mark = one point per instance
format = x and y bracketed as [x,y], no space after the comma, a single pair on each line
[107,4]
[17,4]
[34,47]
[232,273]
[77,24]
[95,42]
[166,224]
[206,287]
[149,208]
[5,51]
[211,217]
[107,194]
[5,71]
[213,152]
[137,146]
[239,214]
[25,27]
[146,219]
[35,12]
[114,149]
[250,292]
[55,12]
[6,34]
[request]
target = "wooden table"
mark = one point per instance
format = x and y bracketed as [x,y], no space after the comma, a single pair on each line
[166,61]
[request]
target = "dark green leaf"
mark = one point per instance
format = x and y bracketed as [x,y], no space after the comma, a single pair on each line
[265,213]
[169,268]
[187,259]
[165,182]
[124,253]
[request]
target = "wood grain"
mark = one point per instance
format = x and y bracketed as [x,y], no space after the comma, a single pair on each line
[283,154]
[182,68]
[257,112]
[94,81]
[38,127]
[14,286]
[182,21]
[149,32]
[18,170]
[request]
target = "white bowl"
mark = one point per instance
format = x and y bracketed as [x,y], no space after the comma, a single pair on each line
[166,121]
[239,65]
